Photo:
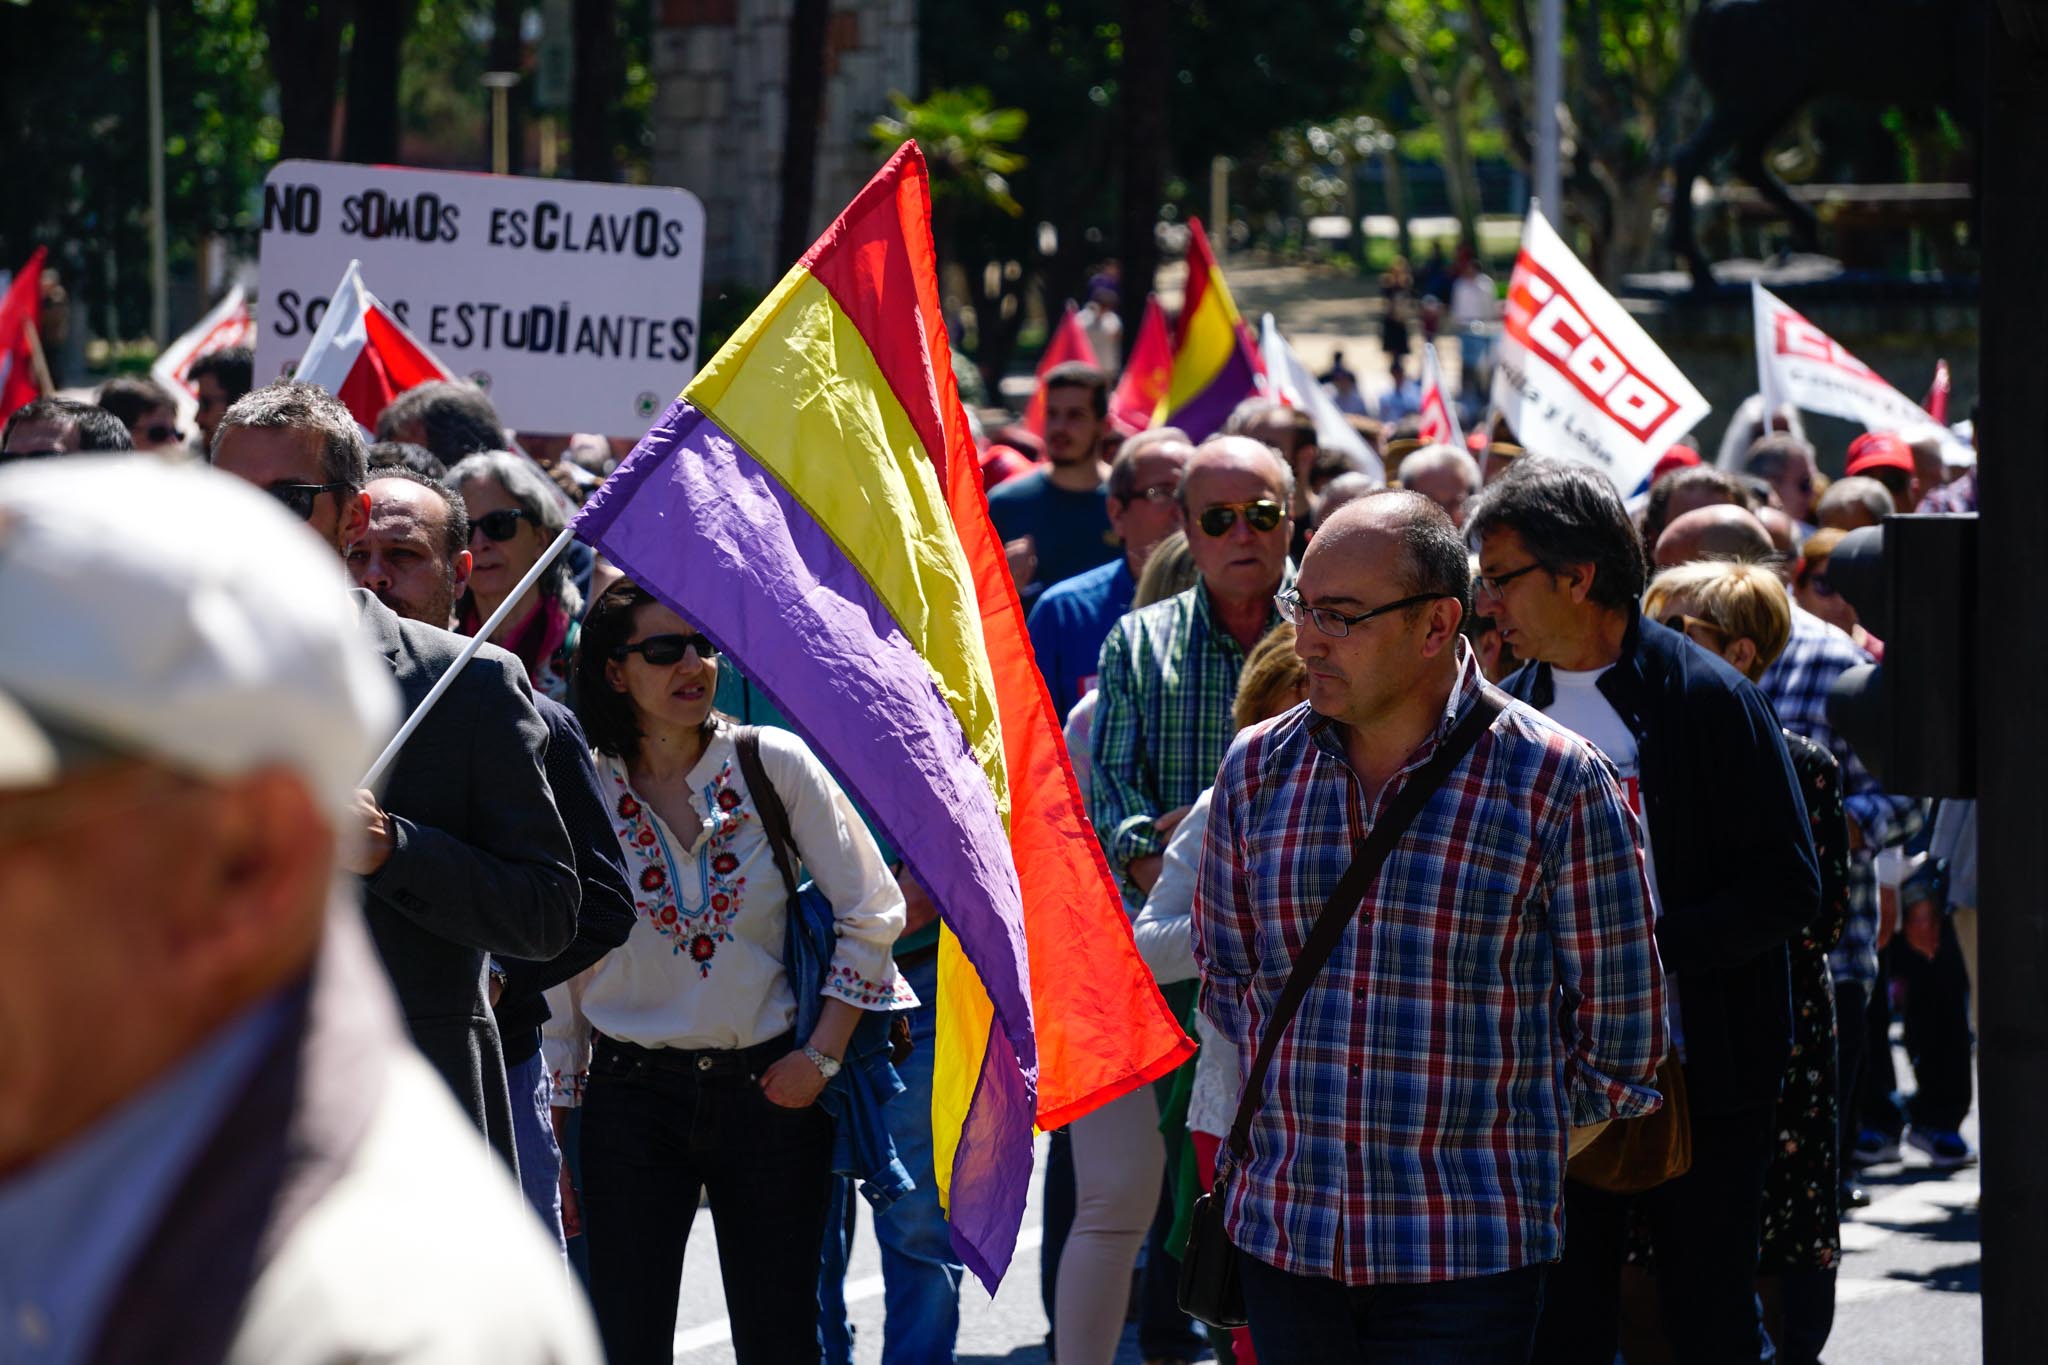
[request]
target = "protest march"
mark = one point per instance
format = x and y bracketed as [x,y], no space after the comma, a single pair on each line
[559,806]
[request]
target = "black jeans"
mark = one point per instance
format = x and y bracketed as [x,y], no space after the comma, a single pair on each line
[1937,1019]
[1852,1058]
[661,1127]
[1704,1230]
[1486,1320]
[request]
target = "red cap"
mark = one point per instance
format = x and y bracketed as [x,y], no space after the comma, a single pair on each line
[1878,450]
[1003,463]
[1678,457]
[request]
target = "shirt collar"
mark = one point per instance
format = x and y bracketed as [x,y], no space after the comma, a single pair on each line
[1205,610]
[1327,733]
[72,1224]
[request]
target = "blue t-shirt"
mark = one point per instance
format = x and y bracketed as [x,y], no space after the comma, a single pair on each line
[1071,529]
[1069,624]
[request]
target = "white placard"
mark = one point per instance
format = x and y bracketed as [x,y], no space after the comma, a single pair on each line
[1577,376]
[573,304]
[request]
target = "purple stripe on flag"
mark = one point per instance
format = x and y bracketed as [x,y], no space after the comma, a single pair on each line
[1204,415]
[992,1165]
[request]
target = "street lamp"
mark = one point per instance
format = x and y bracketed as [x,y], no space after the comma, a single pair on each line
[500,84]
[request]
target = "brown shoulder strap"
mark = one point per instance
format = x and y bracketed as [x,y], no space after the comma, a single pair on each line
[746,740]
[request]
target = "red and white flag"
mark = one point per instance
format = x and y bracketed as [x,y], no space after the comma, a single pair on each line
[1290,381]
[362,353]
[1577,376]
[1936,401]
[1439,415]
[21,310]
[1800,364]
[231,323]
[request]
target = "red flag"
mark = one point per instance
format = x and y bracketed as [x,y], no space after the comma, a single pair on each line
[1146,370]
[1936,401]
[20,310]
[363,355]
[1069,341]
[1439,419]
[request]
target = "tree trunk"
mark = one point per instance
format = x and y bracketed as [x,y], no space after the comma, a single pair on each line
[804,104]
[1146,88]
[594,91]
[305,60]
[506,51]
[371,133]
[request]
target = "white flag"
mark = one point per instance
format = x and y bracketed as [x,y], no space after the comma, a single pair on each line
[231,323]
[1798,363]
[1290,381]
[1577,376]
[1439,410]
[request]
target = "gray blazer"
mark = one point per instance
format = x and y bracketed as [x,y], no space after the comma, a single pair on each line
[480,862]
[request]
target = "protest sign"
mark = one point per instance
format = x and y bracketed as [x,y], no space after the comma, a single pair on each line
[574,305]
[1577,376]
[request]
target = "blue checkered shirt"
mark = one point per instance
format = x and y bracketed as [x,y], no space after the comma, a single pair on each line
[1499,984]
[1797,684]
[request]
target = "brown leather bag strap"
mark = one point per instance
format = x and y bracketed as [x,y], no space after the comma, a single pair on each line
[746,740]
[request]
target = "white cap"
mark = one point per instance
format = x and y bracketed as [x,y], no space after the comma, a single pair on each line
[178,614]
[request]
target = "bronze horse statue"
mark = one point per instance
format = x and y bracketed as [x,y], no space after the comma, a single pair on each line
[1761,60]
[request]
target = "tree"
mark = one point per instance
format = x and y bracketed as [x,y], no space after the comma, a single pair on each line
[305,61]
[1444,73]
[371,133]
[809,22]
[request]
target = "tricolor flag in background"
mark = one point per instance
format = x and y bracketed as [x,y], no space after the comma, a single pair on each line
[362,354]
[1147,367]
[1439,414]
[1213,368]
[812,503]
[1069,341]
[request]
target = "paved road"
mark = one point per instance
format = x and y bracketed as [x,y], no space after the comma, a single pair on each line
[1908,1293]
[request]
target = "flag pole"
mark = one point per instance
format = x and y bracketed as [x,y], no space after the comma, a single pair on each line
[469,650]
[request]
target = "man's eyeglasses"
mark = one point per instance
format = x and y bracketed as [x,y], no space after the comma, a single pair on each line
[298,498]
[663,650]
[501,525]
[1491,584]
[1158,492]
[1262,515]
[1330,621]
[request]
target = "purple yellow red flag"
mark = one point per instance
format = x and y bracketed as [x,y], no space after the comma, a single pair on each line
[812,502]
[1214,368]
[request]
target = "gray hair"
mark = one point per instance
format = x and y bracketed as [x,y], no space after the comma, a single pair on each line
[1280,462]
[1856,490]
[288,405]
[1440,456]
[537,497]
[1251,412]
[1123,470]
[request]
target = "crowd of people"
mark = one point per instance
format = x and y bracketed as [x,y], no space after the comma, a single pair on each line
[1618,995]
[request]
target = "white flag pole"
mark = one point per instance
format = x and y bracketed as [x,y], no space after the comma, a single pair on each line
[476,642]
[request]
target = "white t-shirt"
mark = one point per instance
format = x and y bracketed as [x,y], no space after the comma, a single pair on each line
[1579,706]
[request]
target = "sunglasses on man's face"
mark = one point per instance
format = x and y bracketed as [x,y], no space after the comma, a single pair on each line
[1262,515]
[500,526]
[298,498]
[663,650]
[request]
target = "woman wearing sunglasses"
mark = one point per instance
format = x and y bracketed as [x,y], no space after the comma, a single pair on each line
[696,1080]
[514,514]
[1741,612]
[1817,595]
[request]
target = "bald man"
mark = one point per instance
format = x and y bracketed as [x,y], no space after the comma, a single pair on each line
[1444,474]
[1718,532]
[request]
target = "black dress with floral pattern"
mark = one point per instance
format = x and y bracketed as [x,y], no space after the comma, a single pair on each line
[1801,1222]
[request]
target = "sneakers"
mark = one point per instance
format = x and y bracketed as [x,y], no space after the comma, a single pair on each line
[1945,1148]
[1874,1147]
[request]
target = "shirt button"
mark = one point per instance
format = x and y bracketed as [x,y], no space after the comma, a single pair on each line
[32,1324]
[703,1063]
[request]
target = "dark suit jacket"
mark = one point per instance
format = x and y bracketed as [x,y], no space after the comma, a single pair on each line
[1736,873]
[480,862]
[606,916]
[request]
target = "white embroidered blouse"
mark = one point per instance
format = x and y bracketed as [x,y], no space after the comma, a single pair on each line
[703,966]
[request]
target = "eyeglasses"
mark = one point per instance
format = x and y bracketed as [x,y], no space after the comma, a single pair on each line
[298,498]
[9,456]
[1332,622]
[1686,625]
[1490,585]
[161,432]
[1262,515]
[1158,492]
[663,650]
[501,525]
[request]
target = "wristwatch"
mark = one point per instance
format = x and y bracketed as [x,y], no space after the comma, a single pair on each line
[828,1067]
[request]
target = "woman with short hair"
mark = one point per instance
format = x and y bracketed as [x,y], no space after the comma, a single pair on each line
[515,513]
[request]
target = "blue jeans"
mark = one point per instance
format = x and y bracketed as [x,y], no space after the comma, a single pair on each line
[920,1275]
[1487,1320]
[533,1137]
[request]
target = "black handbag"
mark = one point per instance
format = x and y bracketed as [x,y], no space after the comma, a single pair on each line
[1210,1290]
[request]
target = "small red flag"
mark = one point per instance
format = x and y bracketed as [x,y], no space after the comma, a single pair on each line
[1069,341]
[1146,371]
[20,310]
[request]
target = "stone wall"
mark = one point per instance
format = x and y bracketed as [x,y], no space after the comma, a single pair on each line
[720,69]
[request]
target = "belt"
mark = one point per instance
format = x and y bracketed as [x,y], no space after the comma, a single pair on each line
[744,1061]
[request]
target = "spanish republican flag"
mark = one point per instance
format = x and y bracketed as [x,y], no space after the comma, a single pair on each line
[812,502]
[1214,368]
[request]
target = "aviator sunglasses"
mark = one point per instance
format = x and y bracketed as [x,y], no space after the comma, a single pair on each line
[1262,515]
[663,650]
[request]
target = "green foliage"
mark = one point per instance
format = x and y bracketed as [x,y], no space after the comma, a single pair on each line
[966,142]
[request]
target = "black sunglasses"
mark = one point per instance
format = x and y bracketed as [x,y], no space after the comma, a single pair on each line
[298,498]
[501,525]
[1262,515]
[160,432]
[663,650]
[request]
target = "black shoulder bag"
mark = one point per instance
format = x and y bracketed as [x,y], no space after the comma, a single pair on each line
[1209,1287]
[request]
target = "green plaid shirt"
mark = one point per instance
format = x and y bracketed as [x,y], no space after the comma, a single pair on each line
[1168,678]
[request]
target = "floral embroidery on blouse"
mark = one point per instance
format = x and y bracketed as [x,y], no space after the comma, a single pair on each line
[845,983]
[693,928]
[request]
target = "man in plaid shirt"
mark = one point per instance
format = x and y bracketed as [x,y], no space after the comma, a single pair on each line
[1168,673]
[1497,988]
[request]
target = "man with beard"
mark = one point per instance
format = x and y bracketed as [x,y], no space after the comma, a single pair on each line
[1063,506]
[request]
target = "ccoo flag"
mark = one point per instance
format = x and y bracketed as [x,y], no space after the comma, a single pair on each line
[812,503]
[1213,368]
